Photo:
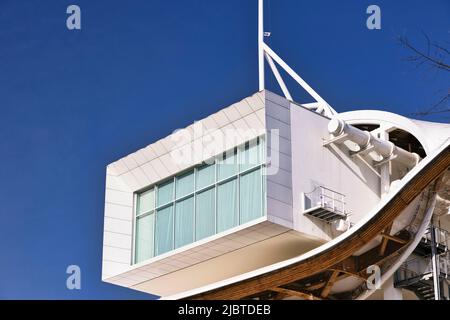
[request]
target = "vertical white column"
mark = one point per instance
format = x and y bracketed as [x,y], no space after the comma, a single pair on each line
[435,264]
[385,169]
[446,290]
[390,292]
[260,43]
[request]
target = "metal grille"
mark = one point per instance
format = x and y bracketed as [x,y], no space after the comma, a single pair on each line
[325,204]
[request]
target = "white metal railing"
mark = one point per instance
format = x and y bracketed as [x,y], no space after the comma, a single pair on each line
[442,237]
[325,198]
[423,266]
[408,270]
[444,264]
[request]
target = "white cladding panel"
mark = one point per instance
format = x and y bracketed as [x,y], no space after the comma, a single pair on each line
[314,165]
[184,148]
[279,169]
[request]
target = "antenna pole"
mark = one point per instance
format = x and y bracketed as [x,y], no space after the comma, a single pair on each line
[261,43]
[265,51]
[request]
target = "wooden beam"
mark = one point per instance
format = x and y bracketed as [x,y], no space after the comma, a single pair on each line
[385,240]
[316,286]
[356,274]
[295,293]
[322,284]
[326,290]
[372,257]
[348,265]
[279,296]
[393,238]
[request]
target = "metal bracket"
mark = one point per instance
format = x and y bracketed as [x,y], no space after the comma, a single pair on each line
[361,152]
[384,161]
[335,140]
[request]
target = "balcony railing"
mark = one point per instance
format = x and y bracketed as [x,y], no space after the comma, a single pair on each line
[442,237]
[324,203]
[422,268]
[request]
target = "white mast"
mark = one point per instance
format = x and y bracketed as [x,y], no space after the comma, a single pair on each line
[261,43]
[264,51]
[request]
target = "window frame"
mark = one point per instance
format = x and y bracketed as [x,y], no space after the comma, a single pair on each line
[239,151]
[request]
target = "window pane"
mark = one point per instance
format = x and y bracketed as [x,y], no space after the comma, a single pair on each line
[185,184]
[144,238]
[205,214]
[250,155]
[146,201]
[227,205]
[205,176]
[228,165]
[164,230]
[250,196]
[165,193]
[184,222]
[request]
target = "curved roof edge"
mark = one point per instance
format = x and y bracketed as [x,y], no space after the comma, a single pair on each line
[430,134]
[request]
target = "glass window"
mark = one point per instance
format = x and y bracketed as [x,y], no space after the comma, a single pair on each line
[144,237]
[146,202]
[206,200]
[250,196]
[228,165]
[250,155]
[227,205]
[164,230]
[165,192]
[205,214]
[205,176]
[184,222]
[185,184]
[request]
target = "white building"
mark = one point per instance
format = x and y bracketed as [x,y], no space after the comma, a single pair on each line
[272,199]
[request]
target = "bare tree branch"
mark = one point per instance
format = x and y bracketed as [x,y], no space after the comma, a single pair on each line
[425,57]
[442,101]
[435,57]
[439,47]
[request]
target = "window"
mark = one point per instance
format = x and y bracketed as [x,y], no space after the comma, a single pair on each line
[228,164]
[227,208]
[205,214]
[211,198]
[184,222]
[146,202]
[250,155]
[205,176]
[144,237]
[144,225]
[250,204]
[164,230]
[185,184]
[165,193]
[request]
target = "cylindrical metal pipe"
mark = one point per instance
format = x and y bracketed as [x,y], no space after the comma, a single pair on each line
[385,148]
[407,158]
[337,127]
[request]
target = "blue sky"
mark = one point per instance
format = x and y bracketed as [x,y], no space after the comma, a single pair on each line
[73,101]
